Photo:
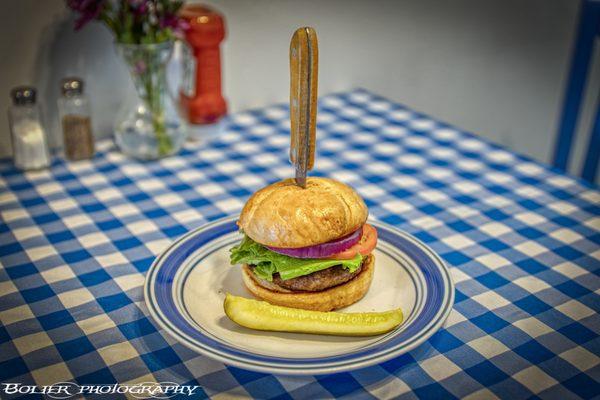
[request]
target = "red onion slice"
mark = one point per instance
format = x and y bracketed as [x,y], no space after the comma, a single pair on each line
[322,250]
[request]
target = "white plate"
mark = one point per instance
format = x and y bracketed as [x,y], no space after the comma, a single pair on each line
[186,286]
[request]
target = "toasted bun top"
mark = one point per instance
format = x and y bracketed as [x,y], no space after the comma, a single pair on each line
[285,215]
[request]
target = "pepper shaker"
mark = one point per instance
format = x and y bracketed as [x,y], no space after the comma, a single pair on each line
[202,97]
[30,145]
[74,112]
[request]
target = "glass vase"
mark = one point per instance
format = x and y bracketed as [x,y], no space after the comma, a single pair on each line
[149,126]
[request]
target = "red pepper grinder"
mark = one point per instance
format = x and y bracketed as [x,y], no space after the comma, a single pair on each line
[204,100]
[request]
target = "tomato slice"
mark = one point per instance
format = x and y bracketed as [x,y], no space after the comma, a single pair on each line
[365,245]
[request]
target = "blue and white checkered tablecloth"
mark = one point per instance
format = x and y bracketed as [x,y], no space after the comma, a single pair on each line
[522,242]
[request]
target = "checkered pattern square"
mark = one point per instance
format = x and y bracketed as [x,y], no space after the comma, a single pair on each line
[522,242]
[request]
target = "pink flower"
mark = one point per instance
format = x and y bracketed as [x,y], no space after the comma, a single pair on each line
[139,7]
[139,67]
[88,10]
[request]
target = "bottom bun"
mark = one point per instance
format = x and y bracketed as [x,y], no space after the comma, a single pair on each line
[325,300]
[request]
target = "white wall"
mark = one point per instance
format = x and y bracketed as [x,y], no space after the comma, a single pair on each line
[494,67]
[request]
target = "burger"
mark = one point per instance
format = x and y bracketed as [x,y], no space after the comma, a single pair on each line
[307,248]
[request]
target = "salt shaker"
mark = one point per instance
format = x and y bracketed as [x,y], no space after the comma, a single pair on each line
[74,111]
[30,145]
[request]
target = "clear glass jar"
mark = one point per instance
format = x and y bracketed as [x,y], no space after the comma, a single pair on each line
[75,120]
[29,141]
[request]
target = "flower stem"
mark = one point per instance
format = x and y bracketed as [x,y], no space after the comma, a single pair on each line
[153,88]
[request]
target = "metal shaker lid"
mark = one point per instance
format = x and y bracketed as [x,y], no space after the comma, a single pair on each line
[71,86]
[22,95]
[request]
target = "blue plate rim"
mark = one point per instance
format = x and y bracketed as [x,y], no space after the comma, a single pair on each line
[438,279]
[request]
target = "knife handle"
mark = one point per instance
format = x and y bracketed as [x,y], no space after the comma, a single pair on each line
[304,62]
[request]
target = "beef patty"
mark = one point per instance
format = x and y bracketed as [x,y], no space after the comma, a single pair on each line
[319,280]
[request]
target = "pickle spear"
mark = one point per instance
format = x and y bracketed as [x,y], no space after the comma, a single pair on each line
[263,316]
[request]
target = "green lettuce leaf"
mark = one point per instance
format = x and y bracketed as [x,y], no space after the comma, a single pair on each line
[268,262]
